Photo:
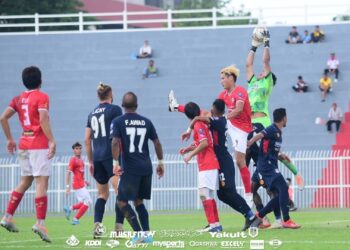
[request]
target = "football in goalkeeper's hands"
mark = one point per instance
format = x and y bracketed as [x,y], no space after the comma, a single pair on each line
[258,34]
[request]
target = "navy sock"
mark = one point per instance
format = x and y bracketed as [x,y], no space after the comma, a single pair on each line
[131,217]
[277,212]
[234,200]
[269,206]
[283,198]
[143,216]
[99,210]
[259,207]
[119,216]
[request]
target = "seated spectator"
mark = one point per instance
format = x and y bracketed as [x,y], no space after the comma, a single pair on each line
[325,85]
[150,71]
[301,85]
[333,64]
[334,116]
[318,35]
[293,37]
[145,50]
[306,37]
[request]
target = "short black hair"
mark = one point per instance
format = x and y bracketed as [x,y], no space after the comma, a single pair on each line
[274,79]
[77,144]
[31,77]
[192,110]
[129,101]
[219,106]
[300,77]
[279,114]
[289,179]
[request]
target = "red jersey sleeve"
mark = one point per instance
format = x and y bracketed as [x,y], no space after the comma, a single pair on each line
[241,94]
[221,95]
[200,129]
[43,102]
[71,164]
[13,103]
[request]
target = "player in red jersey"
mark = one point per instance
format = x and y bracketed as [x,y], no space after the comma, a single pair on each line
[37,147]
[239,115]
[76,166]
[208,166]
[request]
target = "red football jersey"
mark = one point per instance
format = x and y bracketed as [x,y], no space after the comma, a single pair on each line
[76,166]
[27,105]
[243,120]
[206,159]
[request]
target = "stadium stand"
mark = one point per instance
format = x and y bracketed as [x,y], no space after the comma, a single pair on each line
[190,60]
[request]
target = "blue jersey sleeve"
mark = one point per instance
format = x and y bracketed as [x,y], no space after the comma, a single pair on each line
[115,129]
[269,132]
[152,133]
[88,124]
[215,123]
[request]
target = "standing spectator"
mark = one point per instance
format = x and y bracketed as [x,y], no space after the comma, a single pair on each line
[292,206]
[150,71]
[335,116]
[333,64]
[325,85]
[293,37]
[301,85]
[306,37]
[145,50]
[318,35]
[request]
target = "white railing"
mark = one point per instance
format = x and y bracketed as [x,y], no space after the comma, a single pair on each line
[169,19]
[326,175]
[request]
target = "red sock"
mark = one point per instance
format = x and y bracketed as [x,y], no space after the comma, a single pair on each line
[41,207]
[245,174]
[81,211]
[14,201]
[77,206]
[181,108]
[209,211]
[216,213]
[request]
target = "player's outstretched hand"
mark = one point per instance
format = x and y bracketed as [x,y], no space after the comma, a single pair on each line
[11,146]
[284,157]
[160,170]
[117,170]
[300,182]
[182,151]
[91,169]
[185,136]
[187,159]
[52,149]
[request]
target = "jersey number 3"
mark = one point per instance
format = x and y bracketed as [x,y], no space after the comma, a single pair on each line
[132,132]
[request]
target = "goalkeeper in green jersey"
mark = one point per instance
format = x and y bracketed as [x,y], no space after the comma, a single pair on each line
[259,90]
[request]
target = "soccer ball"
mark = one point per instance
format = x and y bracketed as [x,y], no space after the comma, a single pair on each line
[258,34]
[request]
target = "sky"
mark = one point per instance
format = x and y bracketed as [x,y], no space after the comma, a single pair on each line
[293,12]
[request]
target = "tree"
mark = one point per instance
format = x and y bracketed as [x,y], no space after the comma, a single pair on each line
[30,7]
[209,4]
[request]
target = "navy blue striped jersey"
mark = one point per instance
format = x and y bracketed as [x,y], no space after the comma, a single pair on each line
[134,131]
[99,121]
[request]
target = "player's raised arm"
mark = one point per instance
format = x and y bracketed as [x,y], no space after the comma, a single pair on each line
[249,67]
[11,144]
[46,127]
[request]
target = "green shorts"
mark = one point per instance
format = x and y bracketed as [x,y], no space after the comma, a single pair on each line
[265,121]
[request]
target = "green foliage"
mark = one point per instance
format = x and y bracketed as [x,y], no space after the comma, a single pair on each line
[209,4]
[30,7]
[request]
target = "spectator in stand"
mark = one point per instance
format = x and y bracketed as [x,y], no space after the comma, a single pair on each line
[301,85]
[150,71]
[145,51]
[293,37]
[318,35]
[325,85]
[292,206]
[306,37]
[333,64]
[334,116]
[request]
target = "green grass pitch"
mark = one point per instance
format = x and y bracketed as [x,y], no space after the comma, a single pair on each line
[321,229]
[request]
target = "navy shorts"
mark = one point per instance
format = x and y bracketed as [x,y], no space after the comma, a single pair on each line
[132,187]
[258,179]
[103,171]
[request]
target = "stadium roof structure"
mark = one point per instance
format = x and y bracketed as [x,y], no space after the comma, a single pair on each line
[104,6]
